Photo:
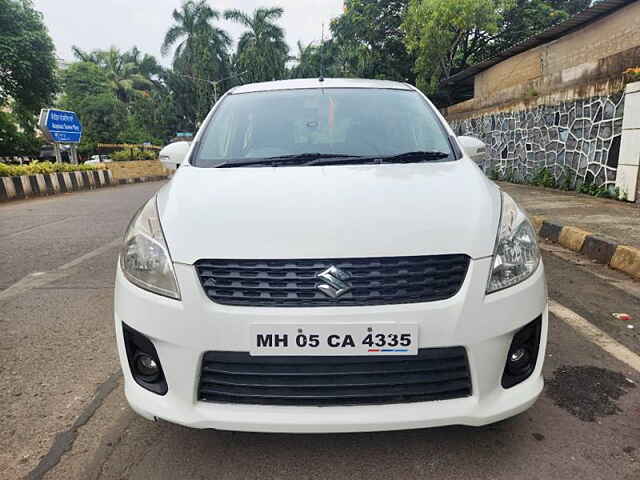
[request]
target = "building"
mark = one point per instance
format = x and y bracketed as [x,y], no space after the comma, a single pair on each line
[560,102]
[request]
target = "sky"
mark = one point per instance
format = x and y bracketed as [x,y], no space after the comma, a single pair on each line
[99,24]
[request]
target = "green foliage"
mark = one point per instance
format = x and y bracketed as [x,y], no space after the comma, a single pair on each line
[133,154]
[27,75]
[118,109]
[544,178]
[35,168]
[201,63]
[27,57]
[446,36]
[601,191]
[124,73]
[14,140]
[371,40]
[103,116]
[262,52]
[84,79]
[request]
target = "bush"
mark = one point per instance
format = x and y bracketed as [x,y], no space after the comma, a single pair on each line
[133,154]
[43,167]
[544,178]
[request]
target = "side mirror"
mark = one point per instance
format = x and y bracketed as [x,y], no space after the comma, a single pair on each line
[474,148]
[174,154]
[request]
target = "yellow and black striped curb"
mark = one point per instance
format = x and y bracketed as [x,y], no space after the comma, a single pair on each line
[28,186]
[607,252]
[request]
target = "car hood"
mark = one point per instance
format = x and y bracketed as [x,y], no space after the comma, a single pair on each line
[329,211]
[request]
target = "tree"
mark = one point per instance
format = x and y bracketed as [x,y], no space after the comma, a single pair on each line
[372,40]
[83,79]
[27,60]
[192,23]
[446,36]
[27,74]
[308,61]
[123,70]
[104,118]
[528,17]
[262,52]
[200,59]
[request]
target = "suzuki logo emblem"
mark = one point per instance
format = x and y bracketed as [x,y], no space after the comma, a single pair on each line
[335,282]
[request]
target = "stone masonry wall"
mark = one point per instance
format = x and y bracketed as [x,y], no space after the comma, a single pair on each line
[577,141]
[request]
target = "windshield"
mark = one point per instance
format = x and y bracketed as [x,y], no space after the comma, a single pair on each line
[354,122]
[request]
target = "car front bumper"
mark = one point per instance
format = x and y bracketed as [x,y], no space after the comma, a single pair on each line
[182,331]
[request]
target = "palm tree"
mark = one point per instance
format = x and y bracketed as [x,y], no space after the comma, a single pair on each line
[192,27]
[124,76]
[200,58]
[262,51]
[308,61]
[84,56]
[146,64]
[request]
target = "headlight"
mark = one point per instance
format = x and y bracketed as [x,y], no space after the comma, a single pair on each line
[516,254]
[145,258]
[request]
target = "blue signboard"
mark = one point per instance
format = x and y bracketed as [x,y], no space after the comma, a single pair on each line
[63,127]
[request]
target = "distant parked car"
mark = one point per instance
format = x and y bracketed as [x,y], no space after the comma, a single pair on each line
[98,159]
[47,153]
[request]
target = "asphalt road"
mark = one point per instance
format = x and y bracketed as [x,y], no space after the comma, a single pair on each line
[64,416]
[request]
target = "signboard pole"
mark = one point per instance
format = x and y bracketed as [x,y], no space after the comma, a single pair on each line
[56,150]
[74,154]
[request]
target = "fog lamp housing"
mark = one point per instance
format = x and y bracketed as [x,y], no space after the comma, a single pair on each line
[144,362]
[523,354]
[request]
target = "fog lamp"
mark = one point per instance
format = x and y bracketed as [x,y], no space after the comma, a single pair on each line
[146,366]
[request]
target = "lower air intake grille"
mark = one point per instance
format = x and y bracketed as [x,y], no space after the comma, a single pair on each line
[237,377]
[369,281]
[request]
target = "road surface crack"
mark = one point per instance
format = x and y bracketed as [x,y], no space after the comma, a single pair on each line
[64,441]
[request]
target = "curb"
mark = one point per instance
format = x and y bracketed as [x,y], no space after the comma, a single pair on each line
[28,186]
[601,250]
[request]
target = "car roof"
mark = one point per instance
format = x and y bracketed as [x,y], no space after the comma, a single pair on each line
[304,83]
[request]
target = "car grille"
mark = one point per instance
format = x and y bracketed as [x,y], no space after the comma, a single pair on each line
[237,377]
[294,283]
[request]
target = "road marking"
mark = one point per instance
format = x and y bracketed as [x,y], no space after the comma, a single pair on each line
[38,279]
[27,230]
[595,335]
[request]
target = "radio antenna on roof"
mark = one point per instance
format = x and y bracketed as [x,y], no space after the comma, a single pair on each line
[321,79]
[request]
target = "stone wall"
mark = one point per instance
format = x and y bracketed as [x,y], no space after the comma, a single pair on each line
[576,141]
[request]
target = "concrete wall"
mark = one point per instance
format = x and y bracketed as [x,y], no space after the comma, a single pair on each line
[593,54]
[629,162]
[135,169]
[538,110]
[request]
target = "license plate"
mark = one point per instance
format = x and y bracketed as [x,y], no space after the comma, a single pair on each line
[334,339]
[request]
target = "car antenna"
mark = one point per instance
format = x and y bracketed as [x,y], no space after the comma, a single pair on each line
[321,79]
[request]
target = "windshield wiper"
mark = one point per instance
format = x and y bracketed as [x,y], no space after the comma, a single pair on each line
[406,157]
[297,159]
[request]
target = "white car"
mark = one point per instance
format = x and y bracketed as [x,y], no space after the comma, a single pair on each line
[95,159]
[328,259]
